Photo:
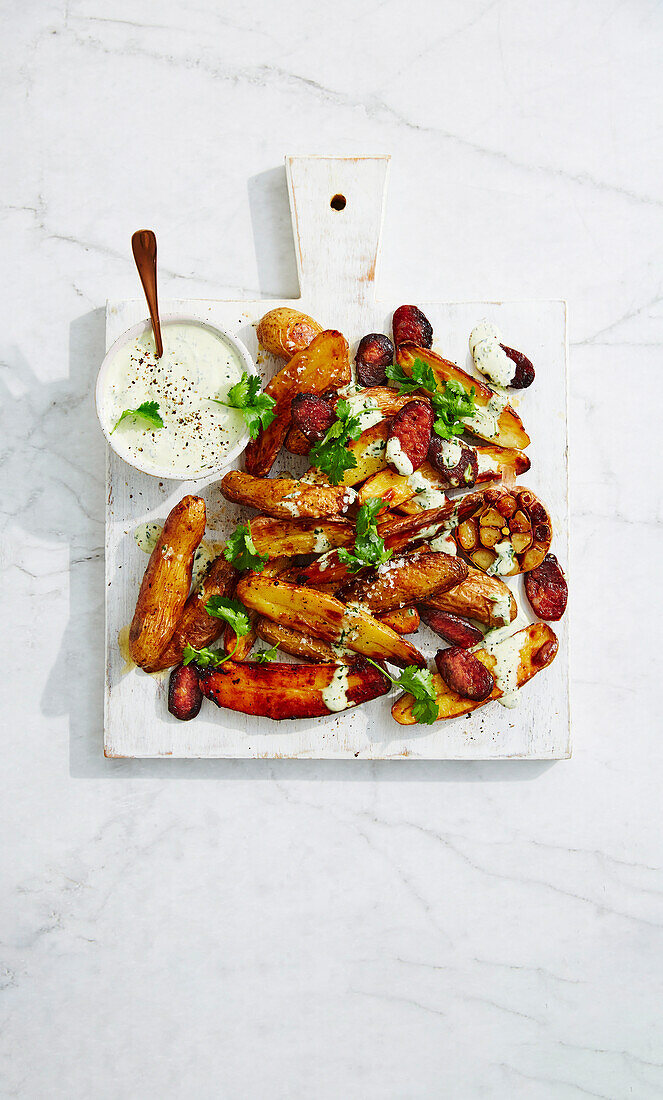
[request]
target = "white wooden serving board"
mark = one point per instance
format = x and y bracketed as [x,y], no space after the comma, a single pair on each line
[337,254]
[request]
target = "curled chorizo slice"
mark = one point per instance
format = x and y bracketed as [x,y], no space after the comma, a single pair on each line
[457,462]
[184,694]
[411,326]
[547,590]
[453,628]
[313,414]
[464,673]
[374,354]
[523,375]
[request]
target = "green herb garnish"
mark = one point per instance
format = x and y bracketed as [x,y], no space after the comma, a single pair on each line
[204,658]
[419,683]
[241,552]
[331,455]
[148,412]
[264,655]
[451,403]
[256,407]
[369,547]
[231,611]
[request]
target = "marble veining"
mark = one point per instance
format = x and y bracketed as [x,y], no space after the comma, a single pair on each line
[287,929]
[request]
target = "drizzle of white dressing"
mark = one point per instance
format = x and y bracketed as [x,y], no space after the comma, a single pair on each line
[426,495]
[360,405]
[444,544]
[502,607]
[450,453]
[334,696]
[486,464]
[147,536]
[321,543]
[197,366]
[506,652]
[504,561]
[485,419]
[375,448]
[397,456]
[488,355]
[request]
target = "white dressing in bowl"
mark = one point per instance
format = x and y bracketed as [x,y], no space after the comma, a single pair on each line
[199,364]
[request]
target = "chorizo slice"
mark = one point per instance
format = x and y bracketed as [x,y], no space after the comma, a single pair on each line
[547,590]
[409,436]
[453,628]
[374,354]
[411,326]
[184,694]
[464,673]
[313,414]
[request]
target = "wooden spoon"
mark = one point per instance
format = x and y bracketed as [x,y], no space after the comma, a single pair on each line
[144,247]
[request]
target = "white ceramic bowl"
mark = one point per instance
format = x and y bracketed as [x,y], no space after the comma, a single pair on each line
[132,334]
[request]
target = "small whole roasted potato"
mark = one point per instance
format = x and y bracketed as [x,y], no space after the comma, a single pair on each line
[284,332]
[167,581]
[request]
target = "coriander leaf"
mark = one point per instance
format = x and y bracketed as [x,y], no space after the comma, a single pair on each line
[204,658]
[148,412]
[419,683]
[240,551]
[450,401]
[256,406]
[266,655]
[369,548]
[331,455]
[231,611]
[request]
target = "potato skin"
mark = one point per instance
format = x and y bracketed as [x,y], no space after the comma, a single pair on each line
[472,598]
[166,582]
[194,626]
[406,580]
[285,498]
[284,332]
[294,642]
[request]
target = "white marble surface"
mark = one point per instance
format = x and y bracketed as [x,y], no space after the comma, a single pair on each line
[294,930]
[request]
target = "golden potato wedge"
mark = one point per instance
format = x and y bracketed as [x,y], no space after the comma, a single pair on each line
[406,580]
[486,599]
[166,583]
[404,620]
[313,612]
[322,364]
[241,647]
[294,642]
[285,498]
[284,332]
[194,626]
[281,691]
[498,424]
[288,537]
[369,450]
[538,648]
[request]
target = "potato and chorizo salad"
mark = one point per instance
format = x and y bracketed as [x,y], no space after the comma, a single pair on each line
[340,566]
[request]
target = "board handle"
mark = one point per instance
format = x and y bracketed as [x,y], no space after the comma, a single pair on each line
[337,208]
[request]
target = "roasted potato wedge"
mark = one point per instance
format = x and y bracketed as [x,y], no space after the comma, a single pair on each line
[284,332]
[195,627]
[166,583]
[281,691]
[294,642]
[284,497]
[502,428]
[313,612]
[241,647]
[288,537]
[404,620]
[323,364]
[296,442]
[486,599]
[406,580]
[537,650]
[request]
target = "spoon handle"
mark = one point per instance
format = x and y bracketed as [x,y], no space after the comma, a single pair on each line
[144,247]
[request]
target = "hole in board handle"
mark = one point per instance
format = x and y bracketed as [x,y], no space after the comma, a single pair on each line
[338,202]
